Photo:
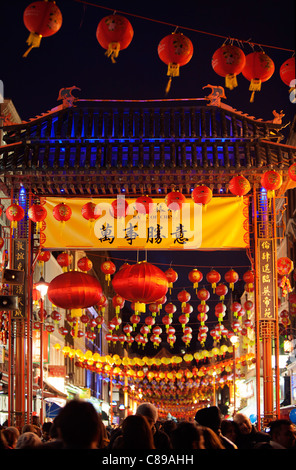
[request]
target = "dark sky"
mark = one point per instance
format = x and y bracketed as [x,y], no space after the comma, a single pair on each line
[74,57]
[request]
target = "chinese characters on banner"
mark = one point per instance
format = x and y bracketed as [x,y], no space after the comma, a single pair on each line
[20,263]
[266,275]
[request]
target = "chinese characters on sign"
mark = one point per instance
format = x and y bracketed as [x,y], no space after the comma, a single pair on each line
[20,260]
[266,280]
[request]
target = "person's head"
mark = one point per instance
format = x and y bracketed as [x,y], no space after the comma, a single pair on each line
[149,411]
[211,440]
[29,428]
[282,431]
[79,425]
[229,429]
[188,436]
[28,440]
[46,427]
[137,433]
[209,417]
[243,423]
[10,435]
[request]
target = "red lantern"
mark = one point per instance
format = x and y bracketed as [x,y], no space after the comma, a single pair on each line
[91,212]
[174,200]
[154,308]
[141,283]
[114,33]
[248,305]
[171,339]
[284,267]
[220,310]
[37,214]
[221,290]
[108,268]
[99,321]
[231,277]
[175,50]
[62,212]
[135,320]
[84,264]
[183,297]
[203,295]
[15,214]
[122,339]
[271,180]
[64,260]
[49,328]
[144,204]
[74,290]
[43,256]
[235,308]
[213,277]
[287,72]
[249,277]
[150,321]
[170,309]
[117,322]
[42,19]
[292,299]
[239,185]
[118,303]
[202,195]
[258,68]
[195,276]
[36,296]
[292,172]
[183,319]
[63,331]
[127,329]
[1,243]
[102,303]
[171,276]
[166,320]
[228,61]
[56,316]
[119,207]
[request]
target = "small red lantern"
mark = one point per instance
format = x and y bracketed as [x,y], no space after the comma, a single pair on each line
[292,172]
[287,72]
[144,204]
[56,316]
[195,276]
[49,328]
[235,308]
[154,308]
[127,329]
[119,207]
[213,277]
[166,320]
[249,277]
[91,212]
[183,297]
[284,267]
[221,290]
[135,320]
[64,260]
[15,214]
[37,214]
[258,68]
[183,319]
[63,331]
[99,321]
[118,303]
[122,339]
[248,306]
[228,61]
[171,339]
[84,264]
[114,33]
[149,321]
[62,212]
[116,321]
[271,180]
[220,310]
[1,243]
[187,309]
[202,195]
[102,304]
[43,256]
[203,295]
[231,277]
[171,276]
[108,268]
[170,309]
[175,50]
[174,200]
[239,185]
[42,19]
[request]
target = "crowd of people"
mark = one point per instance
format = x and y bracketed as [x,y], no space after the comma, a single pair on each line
[79,426]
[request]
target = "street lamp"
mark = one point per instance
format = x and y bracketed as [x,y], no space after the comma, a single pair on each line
[234,340]
[42,287]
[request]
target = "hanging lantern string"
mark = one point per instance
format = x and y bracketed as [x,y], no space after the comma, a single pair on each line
[181,27]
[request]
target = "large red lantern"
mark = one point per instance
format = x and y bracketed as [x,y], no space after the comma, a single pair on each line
[292,172]
[287,72]
[231,277]
[37,214]
[202,195]
[62,212]
[213,277]
[74,290]
[42,19]
[171,276]
[15,214]
[258,68]
[175,50]
[228,61]
[108,268]
[84,264]
[114,33]
[141,283]
[239,185]
[144,204]
[271,180]
[64,260]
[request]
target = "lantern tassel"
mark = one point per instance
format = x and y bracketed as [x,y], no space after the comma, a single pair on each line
[230,81]
[33,41]
[168,87]
[113,51]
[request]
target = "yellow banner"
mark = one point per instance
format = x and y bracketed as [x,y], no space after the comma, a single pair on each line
[222,224]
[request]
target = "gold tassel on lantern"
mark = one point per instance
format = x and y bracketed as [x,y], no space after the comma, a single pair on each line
[173,71]
[33,41]
[140,307]
[255,85]
[113,51]
[230,81]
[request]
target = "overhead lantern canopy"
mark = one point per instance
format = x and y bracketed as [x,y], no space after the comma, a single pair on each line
[42,19]
[175,50]
[228,61]
[114,33]
[259,68]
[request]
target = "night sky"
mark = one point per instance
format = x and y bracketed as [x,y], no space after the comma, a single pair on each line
[73,56]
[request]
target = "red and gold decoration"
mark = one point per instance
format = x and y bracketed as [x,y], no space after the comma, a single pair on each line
[172,276]
[195,276]
[42,19]
[119,208]
[144,204]
[64,260]
[15,213]
[221,290]
[84,264]
[175,50]
[231,277]
[213,277]
[228,61]
[258,68]
[203,295]
[174,200]
[62,212]
[91,212]
[108,268]
[118,303]
[239,185]
[114,33]
[37,214]
[284,267]
[271,180]
[202,195]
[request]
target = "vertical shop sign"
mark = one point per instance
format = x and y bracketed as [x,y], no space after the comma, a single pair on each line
[20,263]
[266,276]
